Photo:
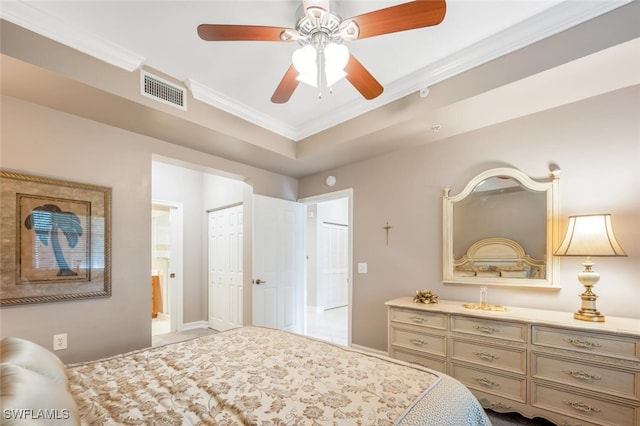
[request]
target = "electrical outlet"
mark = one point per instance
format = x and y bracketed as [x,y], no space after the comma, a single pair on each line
[59,341]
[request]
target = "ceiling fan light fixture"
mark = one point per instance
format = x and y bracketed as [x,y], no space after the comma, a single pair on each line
[310,78]
[336,56]
[336,59]
[305,61]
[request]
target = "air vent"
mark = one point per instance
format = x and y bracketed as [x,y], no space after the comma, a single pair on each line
[161,90]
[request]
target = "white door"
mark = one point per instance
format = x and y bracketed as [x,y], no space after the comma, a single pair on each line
[334,268]
[278,263]
[225,232]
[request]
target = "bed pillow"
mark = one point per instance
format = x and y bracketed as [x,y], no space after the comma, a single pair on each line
[34,357]
[28,398]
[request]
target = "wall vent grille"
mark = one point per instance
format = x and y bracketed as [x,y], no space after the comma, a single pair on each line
[161,90]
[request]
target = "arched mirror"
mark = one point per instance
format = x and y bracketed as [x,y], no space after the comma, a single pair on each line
[501,230]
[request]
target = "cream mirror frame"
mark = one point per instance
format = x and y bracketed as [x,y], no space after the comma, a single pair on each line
[548,191]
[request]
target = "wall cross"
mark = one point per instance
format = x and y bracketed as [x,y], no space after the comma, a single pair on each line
[387,227]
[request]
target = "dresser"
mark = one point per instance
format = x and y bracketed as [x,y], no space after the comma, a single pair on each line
[535,362]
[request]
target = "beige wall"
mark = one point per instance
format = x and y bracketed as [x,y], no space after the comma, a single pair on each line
[49,143]
[596,143]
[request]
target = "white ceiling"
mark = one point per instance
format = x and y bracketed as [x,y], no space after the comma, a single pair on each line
[487,63]
[240,77]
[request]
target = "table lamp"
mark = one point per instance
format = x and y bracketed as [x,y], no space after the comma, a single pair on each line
[589,236]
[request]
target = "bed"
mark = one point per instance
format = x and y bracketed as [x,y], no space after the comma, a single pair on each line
[498,257]
[248,375]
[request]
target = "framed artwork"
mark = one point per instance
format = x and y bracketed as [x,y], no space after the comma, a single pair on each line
[56,240]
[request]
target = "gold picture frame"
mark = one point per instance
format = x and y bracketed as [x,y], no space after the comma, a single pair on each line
[56,240]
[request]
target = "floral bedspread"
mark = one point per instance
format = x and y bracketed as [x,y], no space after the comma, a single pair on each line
[261,376]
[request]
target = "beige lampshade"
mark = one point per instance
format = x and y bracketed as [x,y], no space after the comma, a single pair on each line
[590,235]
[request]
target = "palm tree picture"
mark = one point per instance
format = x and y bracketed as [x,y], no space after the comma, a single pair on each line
[56,239]
[48,221]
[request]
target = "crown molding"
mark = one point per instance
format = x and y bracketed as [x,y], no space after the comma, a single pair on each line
[29,16]
[552,21]
[205,94]
[558,18]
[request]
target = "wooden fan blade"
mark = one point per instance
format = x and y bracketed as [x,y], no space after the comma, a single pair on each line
[405,16]
[362,79]
[286,87]
[215,32]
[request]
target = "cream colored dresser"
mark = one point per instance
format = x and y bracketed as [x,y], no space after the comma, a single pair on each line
[535,362]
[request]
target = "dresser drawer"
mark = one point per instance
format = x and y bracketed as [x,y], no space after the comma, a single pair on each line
[513,388]
[509,359]
[595,377]
[626,347]
[422,342]
[426,319]
[438,364]
[499,329]
[583,406]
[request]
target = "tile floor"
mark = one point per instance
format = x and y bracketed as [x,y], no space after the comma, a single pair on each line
[160,326]
[330,325]
[173,337]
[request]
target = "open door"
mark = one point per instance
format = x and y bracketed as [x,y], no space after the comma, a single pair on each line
[278,263]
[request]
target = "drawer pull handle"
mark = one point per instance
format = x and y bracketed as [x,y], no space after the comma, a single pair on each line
[418,342]
[582,375]
[484,381]
[500,406]
[581,343]
[486,329]
[417,319]
[419,363]
[486,356]
[581,406]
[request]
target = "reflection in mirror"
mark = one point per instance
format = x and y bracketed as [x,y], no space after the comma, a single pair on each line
[500,230]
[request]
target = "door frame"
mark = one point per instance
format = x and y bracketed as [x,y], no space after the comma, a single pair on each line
[329,196]
[176,307]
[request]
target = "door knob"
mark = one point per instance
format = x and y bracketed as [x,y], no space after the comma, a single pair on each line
[259,281]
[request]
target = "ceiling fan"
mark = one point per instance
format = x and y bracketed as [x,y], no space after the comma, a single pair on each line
[322,58]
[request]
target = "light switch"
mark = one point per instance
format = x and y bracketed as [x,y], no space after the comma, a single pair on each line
[362,268]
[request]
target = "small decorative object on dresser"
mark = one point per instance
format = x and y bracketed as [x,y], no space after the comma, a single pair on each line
[425,296]
[534,362]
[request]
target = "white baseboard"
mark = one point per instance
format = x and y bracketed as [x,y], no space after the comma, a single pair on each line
[194,325]
[369,350]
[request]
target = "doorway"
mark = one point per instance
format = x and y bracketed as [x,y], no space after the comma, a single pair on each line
[328,279]
[166,267]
